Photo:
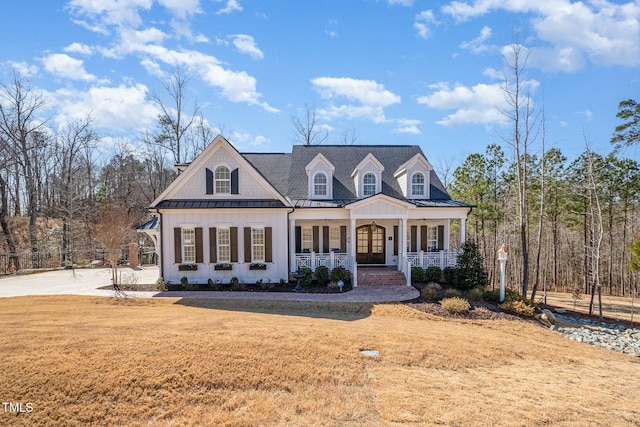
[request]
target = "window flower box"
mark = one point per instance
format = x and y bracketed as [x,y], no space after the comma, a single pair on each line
[257,266]
[223,266]
[187,267]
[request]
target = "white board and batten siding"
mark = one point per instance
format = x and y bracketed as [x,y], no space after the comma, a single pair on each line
[240,218]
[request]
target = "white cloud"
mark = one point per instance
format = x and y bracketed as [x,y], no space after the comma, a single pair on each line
[599,31]
[371,96]
[182,8]
[477,44]
[27,70]
[408,126]
[79,48]
[423,22]
[246,45]
[106,13]
[62,65]
[231,6]
[479,104]
[121,107]
[406,3]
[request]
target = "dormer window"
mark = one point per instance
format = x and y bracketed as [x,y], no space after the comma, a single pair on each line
[223,180]
[320,184]
[320,178]
[369,184]
[417,184]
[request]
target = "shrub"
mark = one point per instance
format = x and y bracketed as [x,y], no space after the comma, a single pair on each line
[161,286]
[451,293]
[417,274]
[455,305]
[429,294]
[322,275]
[213,285]
[449,275]
[475,294]
[470,272]
[283,282]
[184,281]
[308,276]
[236,285]
[509,295]
[519,307]
[433,274]
[338,273]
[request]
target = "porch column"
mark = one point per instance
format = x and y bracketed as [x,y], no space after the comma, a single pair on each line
[292,245]
[463,229]
[447,236]
[352,251]
[402,244]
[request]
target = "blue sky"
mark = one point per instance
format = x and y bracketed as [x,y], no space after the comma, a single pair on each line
[386,71]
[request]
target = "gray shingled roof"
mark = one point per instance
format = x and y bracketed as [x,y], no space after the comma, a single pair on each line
[286,172]
[219,204]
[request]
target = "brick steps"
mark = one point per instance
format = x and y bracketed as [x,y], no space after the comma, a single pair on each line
[375,277]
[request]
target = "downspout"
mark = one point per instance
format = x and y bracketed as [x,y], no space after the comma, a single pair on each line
[162,251]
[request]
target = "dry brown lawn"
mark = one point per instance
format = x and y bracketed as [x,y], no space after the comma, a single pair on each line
[166,362]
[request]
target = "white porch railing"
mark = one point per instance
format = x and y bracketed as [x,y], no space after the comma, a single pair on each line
[330,260]
[440,259]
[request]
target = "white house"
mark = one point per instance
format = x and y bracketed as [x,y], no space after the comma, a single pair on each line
[263,215]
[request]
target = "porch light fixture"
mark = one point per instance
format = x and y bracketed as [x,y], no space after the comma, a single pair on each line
[502,257]
[374,226]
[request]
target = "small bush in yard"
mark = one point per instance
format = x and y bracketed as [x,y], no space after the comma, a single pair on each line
[433,274]
[417,274]
[451,293]
[520,308]
[476,294]
[429,294]
[455,305]
[322,275]
[338,273]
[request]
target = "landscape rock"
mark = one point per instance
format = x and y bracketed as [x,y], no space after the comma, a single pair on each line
[96,263]
[606,335]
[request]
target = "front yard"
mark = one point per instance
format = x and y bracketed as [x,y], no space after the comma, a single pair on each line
[103,361]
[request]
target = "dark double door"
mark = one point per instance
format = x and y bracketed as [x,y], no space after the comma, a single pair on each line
[370,247]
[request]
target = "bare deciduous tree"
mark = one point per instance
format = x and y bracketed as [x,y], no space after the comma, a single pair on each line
[306,129]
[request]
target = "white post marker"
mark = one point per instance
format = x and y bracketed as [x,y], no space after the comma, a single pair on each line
[502,257]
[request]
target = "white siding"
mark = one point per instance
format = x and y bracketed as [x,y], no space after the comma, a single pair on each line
[276,219]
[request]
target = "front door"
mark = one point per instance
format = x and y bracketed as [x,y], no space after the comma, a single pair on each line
[370,244]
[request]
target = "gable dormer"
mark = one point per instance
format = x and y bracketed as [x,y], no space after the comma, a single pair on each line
[320,178]
[367,177]
[413,177]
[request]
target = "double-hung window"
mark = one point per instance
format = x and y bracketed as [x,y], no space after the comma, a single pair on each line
[307,239]
[334,239]
[224,245]
[257,245]
[417,185]
[369,184]
[223,180]
[188,246]
[320,184]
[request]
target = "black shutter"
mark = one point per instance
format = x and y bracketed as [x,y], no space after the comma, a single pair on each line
[234,243]
[177,245]
[298,240]
[268,243]
[441,237]
[234,181]
[213,245]
[395,240]
[316,238]
[423,237]
[209,178]
[343,239]
[247,244]
[199,258]
[414,238]
[325,239]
